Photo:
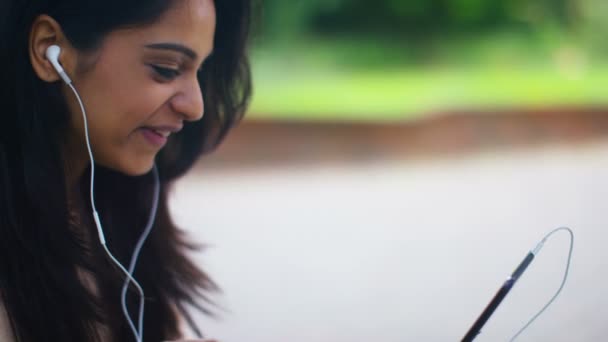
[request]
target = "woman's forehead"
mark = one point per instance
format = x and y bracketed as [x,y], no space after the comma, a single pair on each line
[188,15]
[188,22]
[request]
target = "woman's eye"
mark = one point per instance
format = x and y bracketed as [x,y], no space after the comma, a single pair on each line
[166,73]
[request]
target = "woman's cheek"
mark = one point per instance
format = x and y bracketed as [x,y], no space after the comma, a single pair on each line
[148,103]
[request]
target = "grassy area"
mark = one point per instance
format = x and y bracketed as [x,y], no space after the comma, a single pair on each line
[352,80]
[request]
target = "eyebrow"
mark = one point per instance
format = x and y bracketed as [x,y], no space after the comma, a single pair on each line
[174,47]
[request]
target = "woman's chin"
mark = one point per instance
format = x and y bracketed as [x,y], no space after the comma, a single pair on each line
[132,168]
[139,170]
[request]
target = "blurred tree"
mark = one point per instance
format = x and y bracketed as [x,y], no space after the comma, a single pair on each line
[594,25]
[285,18]
[413,17]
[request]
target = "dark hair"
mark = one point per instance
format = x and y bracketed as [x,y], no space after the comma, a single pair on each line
[40,251]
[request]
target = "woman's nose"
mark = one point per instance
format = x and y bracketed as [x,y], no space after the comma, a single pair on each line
[188,102]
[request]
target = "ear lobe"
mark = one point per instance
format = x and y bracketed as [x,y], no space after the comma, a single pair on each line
[45,31]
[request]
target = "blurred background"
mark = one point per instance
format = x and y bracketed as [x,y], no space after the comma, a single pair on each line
[398,161]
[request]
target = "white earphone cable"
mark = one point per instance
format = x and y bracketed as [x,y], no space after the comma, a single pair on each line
[135,256]
[138,335]
[559,290]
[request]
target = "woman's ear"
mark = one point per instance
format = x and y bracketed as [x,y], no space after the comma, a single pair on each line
[46,31]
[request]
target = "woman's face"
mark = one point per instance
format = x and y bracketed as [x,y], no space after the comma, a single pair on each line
[140,87]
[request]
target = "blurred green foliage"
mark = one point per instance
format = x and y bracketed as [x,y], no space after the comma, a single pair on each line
[594,26]
[413,17]
[402,59]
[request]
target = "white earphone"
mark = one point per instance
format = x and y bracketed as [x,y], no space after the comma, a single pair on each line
[52,54]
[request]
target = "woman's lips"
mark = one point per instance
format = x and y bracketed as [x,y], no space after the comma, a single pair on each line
[155,137]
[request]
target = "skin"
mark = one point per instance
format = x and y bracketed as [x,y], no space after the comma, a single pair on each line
[132,86]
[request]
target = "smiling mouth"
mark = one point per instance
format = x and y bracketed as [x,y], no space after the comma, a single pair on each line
[164,133]
[155,137]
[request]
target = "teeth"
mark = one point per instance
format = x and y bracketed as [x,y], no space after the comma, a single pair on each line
[163,133]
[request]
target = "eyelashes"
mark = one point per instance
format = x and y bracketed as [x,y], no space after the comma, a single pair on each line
[166,74]
[169,74]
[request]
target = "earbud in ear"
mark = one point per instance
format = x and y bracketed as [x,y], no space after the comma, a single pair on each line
[52,54]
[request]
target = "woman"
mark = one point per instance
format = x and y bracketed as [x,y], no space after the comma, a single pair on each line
[142,69]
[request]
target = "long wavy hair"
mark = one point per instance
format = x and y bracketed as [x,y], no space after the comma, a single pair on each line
[42,255]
